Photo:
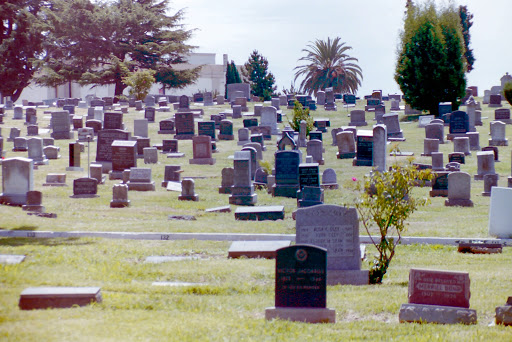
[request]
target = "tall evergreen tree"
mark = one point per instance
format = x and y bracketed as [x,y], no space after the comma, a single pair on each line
[232,76]
[99,43]
[430,67]
[466,21]
[257,74]
[21,38]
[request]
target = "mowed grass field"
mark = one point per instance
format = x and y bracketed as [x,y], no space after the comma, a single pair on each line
[228,297]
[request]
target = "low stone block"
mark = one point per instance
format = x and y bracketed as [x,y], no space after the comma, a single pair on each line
[58,297]
[420,313]
[260,213]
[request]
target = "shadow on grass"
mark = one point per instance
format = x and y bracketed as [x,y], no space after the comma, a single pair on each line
[20,228]
[21,241]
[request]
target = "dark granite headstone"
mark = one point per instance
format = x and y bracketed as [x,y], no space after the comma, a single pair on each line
[309,175]
[124,155]
[113,120]
[459,122]
[85,187]
[105,139]
[364,152]
[206,128]
[301,277]
[184,123]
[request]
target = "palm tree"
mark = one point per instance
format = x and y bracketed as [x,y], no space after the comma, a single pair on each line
[329,66]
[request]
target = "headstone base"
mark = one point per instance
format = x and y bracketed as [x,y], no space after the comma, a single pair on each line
[226,137]
[58,297]
[261,213]
[481,177]
[332,186]
[358,123]
[243,199]
[13,199]
[421,313]
[194,198]
[176,155]
[498,142]
[504,315]
[41,162]
[119,204]
[114,175]
[34,208]
[348,155]
[285,191]
[184,136]
[458,203]
[84,196]
[224,190]
[362,162]
[451,136]
[141,186]
[168,131]
[439,193]
[74,168]
[307,315]
[348,277]
[202,161]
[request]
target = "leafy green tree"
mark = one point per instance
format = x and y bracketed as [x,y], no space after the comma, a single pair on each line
[299,114]
[329,65]
[232,76]
[466,21]
[257,74]
[100,43]
[430,67]
[21,38]
[140,83]
[384,204]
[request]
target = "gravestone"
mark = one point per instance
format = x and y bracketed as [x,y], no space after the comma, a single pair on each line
[461,145]
[500,214]
[459,190]
[31,116]
[60,123]
[357,118]
[185,128]
[55,179]
[459,124]
[485,162]
[36,152]
[20,144]
[14,133]
[150,155]
[140,128]
[440,184]
[85,188]
[346,145]
[329,179]
[364,150]
[253,157]
[188,190]
[424,120]
[269,118]
[300,286]
[243,136]
[437,296]
[314,149]
[437,161]
[74,157]
[202,150]
[287,173]
[242,191]
[96,125]
[330,104]
[503,115]
[228,175]
[474,140]
[490,181]
[495,100]
[220,100]
[379,152]
[233,88]
[207,128]
[435,131]
[140,180]
[78,122]
[113,120]
[226,130]
[504,313]
[309,175]
[167,127]
[58,297]
[172,173]
[18,113]
[394,133]
[320,98]
[51,152]
[104,146]
[309,196]
[498,134]
[17,180]
[336,229]
[119,196]
[430,146]
[85,134]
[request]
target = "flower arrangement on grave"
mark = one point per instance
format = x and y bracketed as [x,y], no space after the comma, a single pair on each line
[384,203]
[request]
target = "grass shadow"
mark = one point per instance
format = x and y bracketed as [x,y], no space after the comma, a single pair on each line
[22,241]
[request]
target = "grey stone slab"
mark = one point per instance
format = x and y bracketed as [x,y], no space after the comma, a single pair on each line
[11,259]
[436,314]
[256,249]
[260,213]
[174,186]
[58,297]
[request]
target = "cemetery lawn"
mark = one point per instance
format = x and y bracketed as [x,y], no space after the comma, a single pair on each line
[227,298]
[149,210]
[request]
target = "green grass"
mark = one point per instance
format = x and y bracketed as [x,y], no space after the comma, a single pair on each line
[230,303]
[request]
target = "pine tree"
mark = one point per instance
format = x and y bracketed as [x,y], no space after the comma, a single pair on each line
[257,74]
[466,22]
[99,43]
[232,76]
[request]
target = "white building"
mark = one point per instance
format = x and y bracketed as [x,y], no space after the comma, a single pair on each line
[212,77]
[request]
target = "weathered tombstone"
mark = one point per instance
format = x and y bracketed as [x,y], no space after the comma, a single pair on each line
[320,98]
[504,313]
[140,128]
[329,179]
[51,152]
[474,140]
[150,155]
[437,161]
[74,157]
[498,134]
[437,296]
[330,104]
[379,152]
[495,100]
[503,115]
[459,190]
[357,118]
[60,123]
[104,146]
[220,100]
[17,180]
[228,175]
[393,130]
[440,184]
[119,196]
[14,133]
[461,144]
[124,156]
[31,116]
[78,122]
[85,188]
[485,162]
[113,120]
[55,179]
[364,150]
[243,136]
[202,150]
[336,229]
[206,128]
[269,118]
[18,113]
[490,181]
[167,127]
[430,146]
[96,125]
[20,144]
[314,149]
[500,214]
[435,131]
[300,290]
[242,191]
[494,150]
[346,145]
[140,180]
[36,152]
[34,202]
[226,130]
[238,89]
[188,190]
[287,173]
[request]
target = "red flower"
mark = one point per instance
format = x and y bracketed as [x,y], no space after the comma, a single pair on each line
[354,179]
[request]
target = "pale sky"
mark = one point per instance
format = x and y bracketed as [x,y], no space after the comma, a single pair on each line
[280,29]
